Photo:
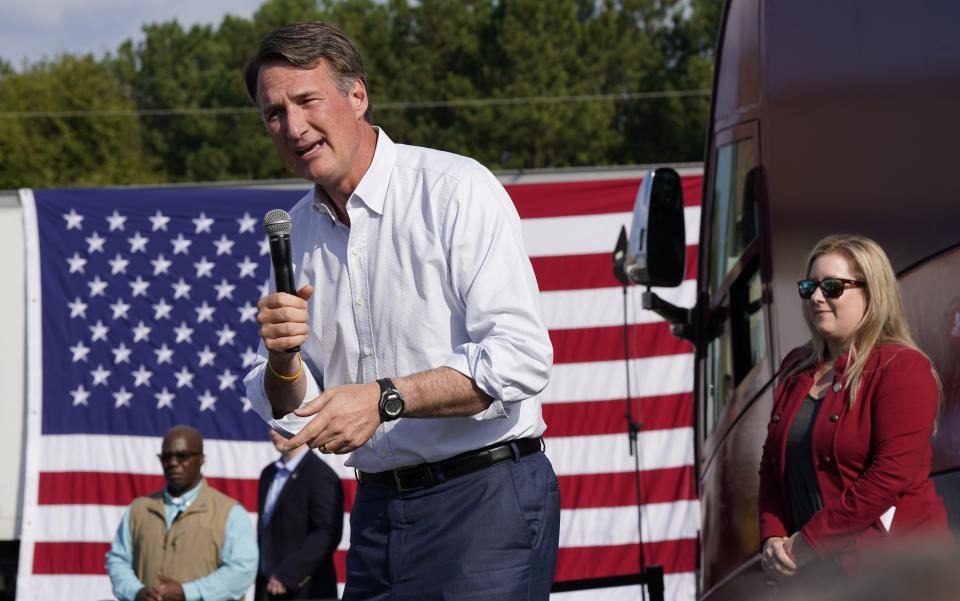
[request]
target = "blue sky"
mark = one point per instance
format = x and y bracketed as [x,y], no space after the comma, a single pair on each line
[33,29]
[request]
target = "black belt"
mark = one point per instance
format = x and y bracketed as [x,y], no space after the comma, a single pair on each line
[428,474]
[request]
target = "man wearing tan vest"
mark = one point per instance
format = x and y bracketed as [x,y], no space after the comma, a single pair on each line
[187,542]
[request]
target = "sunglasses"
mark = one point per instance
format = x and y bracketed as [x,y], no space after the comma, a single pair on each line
[831,287]
[180,456]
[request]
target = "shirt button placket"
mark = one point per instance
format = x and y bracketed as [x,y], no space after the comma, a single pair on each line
[359,281]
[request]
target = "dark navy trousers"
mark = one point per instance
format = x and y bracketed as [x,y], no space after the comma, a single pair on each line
[491,534]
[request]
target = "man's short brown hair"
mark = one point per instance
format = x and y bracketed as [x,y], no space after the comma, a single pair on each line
[304,45]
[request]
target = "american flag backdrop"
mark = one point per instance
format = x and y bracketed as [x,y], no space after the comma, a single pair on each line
[141,315]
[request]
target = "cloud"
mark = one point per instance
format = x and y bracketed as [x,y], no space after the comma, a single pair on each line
[34,29]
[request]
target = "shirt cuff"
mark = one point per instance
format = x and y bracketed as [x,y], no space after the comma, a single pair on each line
[459,362]
[289,424]
[191,592]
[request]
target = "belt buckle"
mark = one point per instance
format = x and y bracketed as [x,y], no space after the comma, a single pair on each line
[399,483]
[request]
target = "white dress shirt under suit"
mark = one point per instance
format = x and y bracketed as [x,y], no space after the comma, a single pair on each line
[431,272]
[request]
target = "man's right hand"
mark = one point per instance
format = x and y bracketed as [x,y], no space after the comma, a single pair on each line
[275,587]
[283,325]
[283,322]
[148,593]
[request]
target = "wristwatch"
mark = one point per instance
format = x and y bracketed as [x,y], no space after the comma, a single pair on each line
[392,403]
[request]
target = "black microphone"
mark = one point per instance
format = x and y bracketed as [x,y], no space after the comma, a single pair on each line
[277,224]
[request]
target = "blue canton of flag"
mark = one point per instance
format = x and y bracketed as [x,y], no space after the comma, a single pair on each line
[149,308]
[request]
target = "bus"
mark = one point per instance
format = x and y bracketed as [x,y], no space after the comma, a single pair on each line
[826,117]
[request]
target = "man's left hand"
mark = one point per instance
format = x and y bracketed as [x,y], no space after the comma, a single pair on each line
[169,589]
[346,417]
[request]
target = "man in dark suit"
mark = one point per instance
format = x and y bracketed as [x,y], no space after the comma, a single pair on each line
[300,508]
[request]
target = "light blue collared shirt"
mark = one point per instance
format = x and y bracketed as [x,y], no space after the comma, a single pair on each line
[238,557]
[284,469]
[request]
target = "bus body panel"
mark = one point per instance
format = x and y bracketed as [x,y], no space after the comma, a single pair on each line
[841,117]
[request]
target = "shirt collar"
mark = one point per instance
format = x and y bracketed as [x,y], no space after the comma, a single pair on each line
[372,189]
[184,500]
[291,465]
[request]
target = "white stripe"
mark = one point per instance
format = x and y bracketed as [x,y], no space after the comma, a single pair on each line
[34,384]
[601,380]
[99,523]
[601,526]
[73,587]
[564,175]
[77,588]
[598,307]
[589,234]
[78,523]
[610,453]
[676,587]
[587,527]
[138,455]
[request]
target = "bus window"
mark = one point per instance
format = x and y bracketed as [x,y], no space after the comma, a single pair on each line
[719,371]
[736,325]
[739,341]
[734,224]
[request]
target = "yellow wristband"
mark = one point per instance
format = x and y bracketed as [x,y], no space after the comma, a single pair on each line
[287,378]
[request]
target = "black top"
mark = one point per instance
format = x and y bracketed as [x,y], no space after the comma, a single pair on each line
[803,493]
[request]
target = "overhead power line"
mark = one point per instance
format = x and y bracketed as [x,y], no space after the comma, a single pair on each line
[386,105]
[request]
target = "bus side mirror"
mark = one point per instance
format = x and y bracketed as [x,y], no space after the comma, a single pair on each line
[657,250]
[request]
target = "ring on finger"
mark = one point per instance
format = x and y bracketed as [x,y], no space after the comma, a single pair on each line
[323,449]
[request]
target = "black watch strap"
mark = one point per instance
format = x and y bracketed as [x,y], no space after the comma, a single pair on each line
[392,403]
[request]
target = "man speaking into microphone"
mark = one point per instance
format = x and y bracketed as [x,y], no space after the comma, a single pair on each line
[422,344]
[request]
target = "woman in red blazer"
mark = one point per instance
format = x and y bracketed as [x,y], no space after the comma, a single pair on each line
[846,463]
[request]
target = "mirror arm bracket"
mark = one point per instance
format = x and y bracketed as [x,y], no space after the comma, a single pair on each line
[681,322]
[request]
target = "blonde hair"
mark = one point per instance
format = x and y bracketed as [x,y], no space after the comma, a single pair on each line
[883,321]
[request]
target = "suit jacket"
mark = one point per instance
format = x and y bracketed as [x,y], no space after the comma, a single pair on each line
[306,525]
[868,458]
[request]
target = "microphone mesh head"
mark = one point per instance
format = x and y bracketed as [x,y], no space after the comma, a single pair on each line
[277,221]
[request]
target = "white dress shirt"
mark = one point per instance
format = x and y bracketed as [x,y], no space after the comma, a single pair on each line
[431,272]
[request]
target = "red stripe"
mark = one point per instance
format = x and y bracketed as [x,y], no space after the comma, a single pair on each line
[608,417]
[589,197]
[241,489]
[575,563]
[580,345]
[579,491]
[586,271]
[90,488]
[620,489]
[110,488]
[340,564]
[349,492]
[70,558]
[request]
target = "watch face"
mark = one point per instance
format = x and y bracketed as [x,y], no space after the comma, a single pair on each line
[392,405]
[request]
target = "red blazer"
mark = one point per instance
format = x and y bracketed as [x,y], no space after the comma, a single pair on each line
[867,458]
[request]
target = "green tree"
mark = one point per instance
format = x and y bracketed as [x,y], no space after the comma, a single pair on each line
[513,83]
[68,149]
[200,70]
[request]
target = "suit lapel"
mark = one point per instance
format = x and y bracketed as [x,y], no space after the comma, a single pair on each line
[294,480]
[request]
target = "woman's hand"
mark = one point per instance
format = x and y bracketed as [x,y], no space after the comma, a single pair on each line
[796,546]
[775,559]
